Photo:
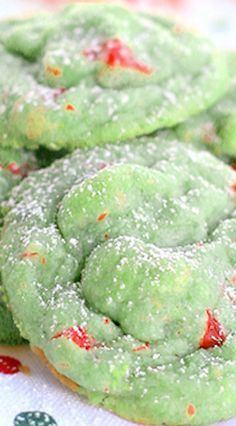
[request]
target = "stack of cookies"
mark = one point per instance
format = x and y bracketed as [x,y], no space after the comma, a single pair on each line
[117,208]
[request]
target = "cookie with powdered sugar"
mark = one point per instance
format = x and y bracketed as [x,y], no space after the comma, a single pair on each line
[98,73]
[119,264]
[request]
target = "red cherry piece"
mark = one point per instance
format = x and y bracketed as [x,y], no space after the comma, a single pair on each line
[191,410]
[115,53]
[70,107]
[56,72]
[102,216]
[79,336]
[143,347]
[19,170]
[29,254]
[13,168]
[214,334]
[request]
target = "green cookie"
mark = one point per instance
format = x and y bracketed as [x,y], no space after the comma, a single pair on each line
[215,128]
[98,73]
[119,264]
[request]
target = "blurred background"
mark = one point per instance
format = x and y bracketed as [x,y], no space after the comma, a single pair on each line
[217,18]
